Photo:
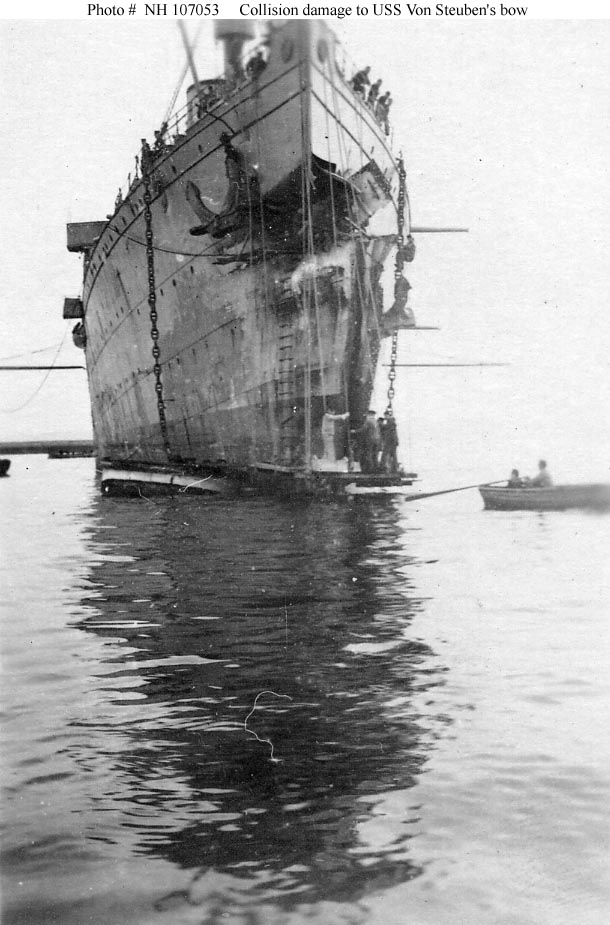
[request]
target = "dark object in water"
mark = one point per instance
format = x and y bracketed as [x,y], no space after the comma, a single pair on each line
[558,498]
[5,465]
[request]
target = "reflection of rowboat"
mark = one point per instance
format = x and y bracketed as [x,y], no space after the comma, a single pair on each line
[558,498]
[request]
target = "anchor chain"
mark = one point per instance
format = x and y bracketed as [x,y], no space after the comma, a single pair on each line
[392,374]
[400,261]
[145,164]
[400,237]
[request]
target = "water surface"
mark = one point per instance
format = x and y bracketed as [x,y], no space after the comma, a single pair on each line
[255,712]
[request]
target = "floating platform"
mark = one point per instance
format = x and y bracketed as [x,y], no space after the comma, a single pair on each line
[264,478]
[136,483]
[322,483]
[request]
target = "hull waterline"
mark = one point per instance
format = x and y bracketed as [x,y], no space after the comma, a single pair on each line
[232,310]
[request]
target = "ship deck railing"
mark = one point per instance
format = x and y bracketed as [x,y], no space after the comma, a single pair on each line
[181,121]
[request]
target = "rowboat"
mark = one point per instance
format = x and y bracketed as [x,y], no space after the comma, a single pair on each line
[558,498]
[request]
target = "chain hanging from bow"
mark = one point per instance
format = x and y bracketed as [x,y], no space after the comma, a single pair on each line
[146,163]
[405,252]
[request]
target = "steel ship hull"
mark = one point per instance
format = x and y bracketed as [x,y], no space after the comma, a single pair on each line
[234,296]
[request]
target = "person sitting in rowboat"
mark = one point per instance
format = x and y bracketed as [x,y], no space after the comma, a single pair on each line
[543,479]
[515,480]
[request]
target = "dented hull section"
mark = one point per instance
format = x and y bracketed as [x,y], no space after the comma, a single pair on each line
[234,298]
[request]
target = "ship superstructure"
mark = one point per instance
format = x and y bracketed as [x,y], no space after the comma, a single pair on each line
[232,310]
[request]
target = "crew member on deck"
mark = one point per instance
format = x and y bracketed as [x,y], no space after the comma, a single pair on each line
[382,111]
[389,445]
[543,479]
[334,434]
[374,93]
[256,65]
[160,145]
[146,157]
[360,80]
[370,443]
[203,101]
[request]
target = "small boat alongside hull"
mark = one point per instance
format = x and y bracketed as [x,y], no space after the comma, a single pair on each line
[558,498]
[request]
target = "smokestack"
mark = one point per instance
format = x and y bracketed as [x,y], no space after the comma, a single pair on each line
[233,33]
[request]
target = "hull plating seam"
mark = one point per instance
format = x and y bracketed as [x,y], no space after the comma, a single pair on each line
[232,403]
[145,372]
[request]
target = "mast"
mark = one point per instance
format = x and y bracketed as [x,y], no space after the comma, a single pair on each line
[189,52]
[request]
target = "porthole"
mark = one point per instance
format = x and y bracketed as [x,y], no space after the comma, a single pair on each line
[322,50]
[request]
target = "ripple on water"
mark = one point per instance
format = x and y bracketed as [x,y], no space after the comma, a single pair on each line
[417,750]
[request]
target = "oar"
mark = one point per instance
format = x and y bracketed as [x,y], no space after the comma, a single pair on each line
[448,491]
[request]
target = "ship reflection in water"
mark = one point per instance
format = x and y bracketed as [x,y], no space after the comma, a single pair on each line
[259,699]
